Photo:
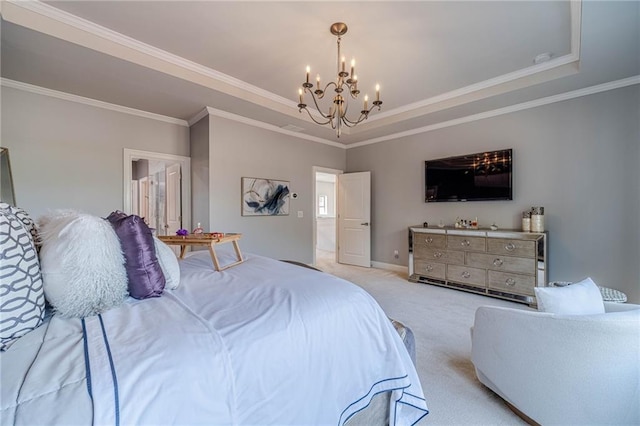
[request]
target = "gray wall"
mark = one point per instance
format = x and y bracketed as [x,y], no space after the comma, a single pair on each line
[578,158]
[199,141]
[238,150]
[69,155]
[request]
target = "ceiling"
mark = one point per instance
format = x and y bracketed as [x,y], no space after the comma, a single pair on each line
[435,61]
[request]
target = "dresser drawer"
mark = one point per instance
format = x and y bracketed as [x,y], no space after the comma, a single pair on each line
[429,269]
[462,242]
[466,275]
[511,247]
[512,283]
[495,262]
[444,256]
[429,240]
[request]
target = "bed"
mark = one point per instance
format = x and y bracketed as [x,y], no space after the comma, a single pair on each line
[263,342]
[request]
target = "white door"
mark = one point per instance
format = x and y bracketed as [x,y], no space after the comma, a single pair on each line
[354,219]
[151,218]
[173,198]
[135,201]
[143,196]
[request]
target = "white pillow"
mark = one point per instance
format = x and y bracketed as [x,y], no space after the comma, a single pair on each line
[581,298]
[82,264]
[168,263]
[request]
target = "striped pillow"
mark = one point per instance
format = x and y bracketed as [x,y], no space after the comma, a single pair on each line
[23,304]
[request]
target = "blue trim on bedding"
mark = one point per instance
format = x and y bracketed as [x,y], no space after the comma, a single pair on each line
[340,422]
[87,363]
[113,371]
[399,401]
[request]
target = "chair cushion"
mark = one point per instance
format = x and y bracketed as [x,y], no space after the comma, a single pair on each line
[581,298]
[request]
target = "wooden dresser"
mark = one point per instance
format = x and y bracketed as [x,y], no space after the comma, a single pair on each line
[505,263]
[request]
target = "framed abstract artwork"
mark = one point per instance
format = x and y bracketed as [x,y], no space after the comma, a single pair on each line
[265,197]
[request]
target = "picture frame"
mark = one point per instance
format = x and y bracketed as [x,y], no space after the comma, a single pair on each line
[264,197]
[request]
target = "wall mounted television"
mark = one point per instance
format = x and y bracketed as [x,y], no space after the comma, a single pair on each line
[485,176]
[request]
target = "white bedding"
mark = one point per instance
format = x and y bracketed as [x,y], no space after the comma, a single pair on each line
[264,342]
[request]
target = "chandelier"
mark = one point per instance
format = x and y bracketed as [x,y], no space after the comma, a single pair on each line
[345,81]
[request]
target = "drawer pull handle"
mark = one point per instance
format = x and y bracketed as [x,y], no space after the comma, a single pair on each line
[437,255]
[510,247]
[510,282]
[429,240]
[497,262]
[466,274]
[429,268]
[466,243]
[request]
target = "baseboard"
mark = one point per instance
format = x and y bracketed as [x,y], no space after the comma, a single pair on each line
[391,267]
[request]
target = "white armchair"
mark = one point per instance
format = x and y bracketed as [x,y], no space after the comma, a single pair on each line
[562,369]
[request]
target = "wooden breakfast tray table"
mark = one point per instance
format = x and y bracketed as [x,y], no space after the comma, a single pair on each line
[208,240]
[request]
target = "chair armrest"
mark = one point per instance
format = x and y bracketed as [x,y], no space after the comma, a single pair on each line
[561,368]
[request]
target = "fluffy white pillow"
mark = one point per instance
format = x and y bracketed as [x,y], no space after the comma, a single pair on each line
[82,264]
[581,298]
[168,263]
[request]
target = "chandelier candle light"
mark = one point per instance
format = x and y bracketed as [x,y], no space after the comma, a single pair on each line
[336,117]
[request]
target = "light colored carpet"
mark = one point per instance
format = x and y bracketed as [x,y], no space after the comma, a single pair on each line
[440,319]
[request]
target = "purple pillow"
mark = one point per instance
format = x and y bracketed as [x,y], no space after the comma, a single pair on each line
[143,269]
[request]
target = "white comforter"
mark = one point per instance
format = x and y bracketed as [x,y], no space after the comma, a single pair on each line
[263,342]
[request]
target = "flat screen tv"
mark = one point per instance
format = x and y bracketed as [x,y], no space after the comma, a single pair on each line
[475,177]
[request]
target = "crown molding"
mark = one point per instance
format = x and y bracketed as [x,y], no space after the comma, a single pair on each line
[262,125]
[26,13]
[555,68]
[58,23]
[630,81]
[91,102]
[507,110]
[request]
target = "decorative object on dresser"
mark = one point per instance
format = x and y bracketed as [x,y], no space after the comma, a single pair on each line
[507,264]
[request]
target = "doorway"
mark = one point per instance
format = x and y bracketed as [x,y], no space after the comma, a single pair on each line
[157,187]
[325,209]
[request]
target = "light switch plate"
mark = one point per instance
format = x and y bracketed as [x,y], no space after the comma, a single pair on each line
[300,213]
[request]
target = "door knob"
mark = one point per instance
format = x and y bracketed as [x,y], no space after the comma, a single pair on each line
[365,224]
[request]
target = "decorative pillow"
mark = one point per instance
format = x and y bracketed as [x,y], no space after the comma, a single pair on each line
[581,298]
[143,269]
[82,264]
[168,264]
[22,304]
[24,218]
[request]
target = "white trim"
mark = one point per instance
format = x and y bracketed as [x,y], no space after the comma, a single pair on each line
[478,87]
[130,155]
[507,110]
[31,13]
[204,112]
[266,126]
[88,101]
[391,267]
[104,33]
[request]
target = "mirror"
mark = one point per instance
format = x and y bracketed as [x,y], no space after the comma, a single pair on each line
[7,194]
